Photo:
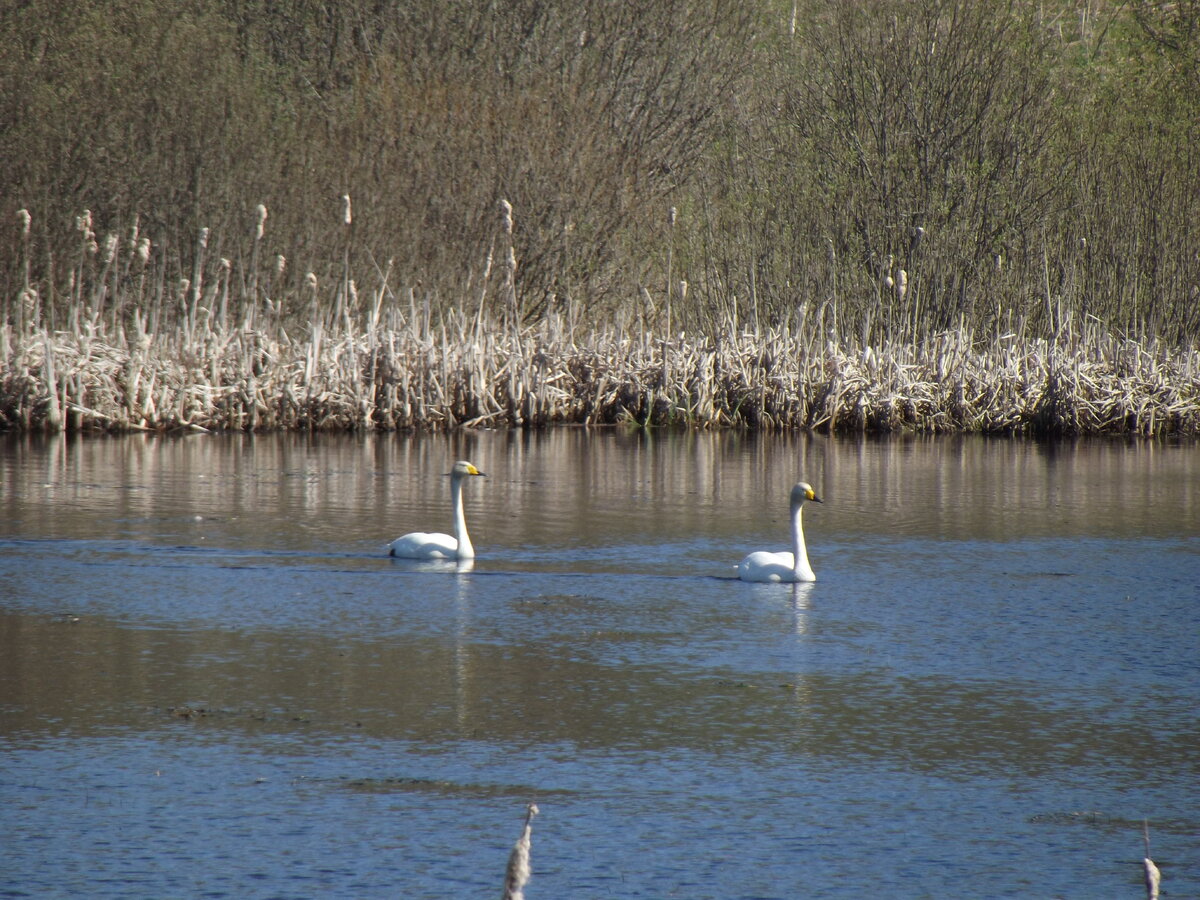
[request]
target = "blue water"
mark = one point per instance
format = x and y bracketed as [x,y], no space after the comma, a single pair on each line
[215,685]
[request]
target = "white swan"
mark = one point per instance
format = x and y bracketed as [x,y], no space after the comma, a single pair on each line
[425,545]
[765,566]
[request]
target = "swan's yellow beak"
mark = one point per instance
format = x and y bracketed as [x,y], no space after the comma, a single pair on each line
[471,470]
[811,495]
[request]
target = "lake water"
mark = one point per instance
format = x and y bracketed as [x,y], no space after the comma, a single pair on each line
[215,683]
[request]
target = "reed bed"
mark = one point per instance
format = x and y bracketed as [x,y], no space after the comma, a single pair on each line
[127,342]
[409,369]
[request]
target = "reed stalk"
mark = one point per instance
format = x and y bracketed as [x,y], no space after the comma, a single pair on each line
[519,871]
[229,352]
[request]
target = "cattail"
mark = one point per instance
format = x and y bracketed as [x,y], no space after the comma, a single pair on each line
[346,217]
[671,215]
[280,264]
[184,284]
[226,265]
[143,250]
[261,211]
[310,281]
[26,221]
[110,248]
[133,233]
[901,283]
[519,870]
[506,212]
[683,289]
[204,238]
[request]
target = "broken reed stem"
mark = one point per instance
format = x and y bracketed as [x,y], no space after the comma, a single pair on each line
[519,870]
[1153,878]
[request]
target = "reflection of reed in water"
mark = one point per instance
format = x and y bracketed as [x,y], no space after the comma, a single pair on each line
[606,488]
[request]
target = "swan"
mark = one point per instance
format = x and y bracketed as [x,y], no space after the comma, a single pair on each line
[775,567]
[425,545]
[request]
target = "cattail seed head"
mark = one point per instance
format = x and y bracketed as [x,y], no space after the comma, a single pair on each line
[226,265]
[901,283]
[310,280]
[672,213]
[26,221]
[143,250]
[280,264]
[506,212]
[261,211]
[346,217]
[683,288]
[110,248]
[204,238]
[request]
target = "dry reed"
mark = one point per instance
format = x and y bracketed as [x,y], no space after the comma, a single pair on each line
[519,870]
[423,372]
[227,349]
[1152,877]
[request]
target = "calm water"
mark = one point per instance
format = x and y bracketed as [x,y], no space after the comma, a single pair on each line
[214,683]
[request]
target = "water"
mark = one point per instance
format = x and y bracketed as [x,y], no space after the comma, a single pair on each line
[214,683]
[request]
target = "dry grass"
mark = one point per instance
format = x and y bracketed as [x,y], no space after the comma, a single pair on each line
[408,370]
[124,345]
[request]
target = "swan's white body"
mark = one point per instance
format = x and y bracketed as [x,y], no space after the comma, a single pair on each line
[764,566]
[434,545]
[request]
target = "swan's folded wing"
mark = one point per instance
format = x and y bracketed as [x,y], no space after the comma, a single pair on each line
[424,545]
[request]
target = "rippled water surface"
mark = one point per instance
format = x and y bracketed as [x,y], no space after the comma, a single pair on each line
[215,683]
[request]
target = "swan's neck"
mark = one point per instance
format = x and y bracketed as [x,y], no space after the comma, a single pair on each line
[465,550]
[801,567]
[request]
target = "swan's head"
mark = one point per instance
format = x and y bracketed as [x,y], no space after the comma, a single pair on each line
[803,491]
[463,468]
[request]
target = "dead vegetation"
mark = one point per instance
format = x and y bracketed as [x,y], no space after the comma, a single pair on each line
[384,367]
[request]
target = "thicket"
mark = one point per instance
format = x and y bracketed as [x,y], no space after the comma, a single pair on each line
[877,172]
